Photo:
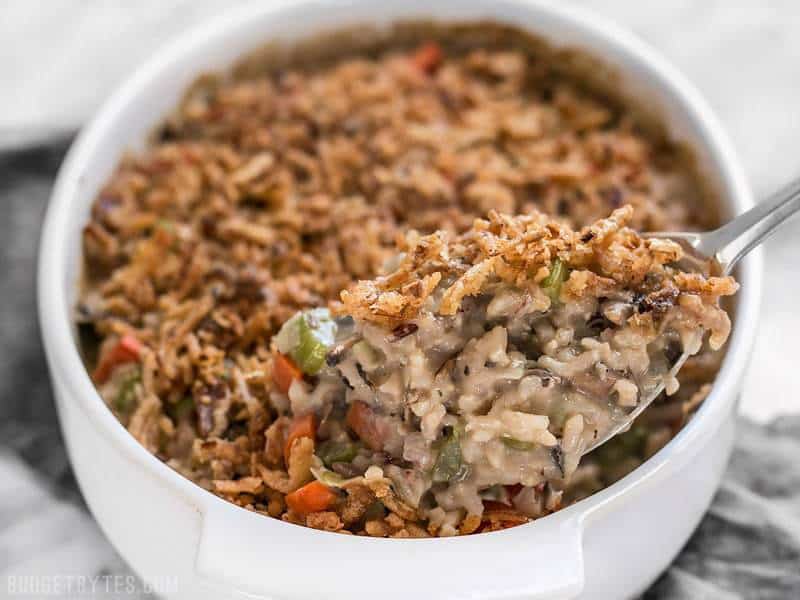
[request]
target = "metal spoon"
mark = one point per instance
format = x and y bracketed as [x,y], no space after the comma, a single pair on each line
[723,248]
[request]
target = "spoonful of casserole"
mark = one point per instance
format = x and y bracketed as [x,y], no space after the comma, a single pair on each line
[497,357]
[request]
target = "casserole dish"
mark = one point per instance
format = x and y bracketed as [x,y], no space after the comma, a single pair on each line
[610,545]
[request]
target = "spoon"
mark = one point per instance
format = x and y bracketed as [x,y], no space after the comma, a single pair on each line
[722,248]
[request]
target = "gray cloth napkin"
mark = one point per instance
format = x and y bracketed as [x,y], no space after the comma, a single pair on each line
[748,545]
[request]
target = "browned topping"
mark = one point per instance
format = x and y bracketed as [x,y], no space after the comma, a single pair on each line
[325,520]
[359,499]
[602,257]
[497,516]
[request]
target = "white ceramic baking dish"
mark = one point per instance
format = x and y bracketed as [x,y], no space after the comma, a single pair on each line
[611,545]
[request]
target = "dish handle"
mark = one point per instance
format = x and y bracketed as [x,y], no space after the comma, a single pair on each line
[242,554]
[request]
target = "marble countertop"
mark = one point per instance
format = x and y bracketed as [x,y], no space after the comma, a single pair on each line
[61,58]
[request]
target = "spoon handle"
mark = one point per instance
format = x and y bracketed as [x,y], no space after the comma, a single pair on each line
[736,238]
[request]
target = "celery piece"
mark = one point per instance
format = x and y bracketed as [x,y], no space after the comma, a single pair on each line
[306,338]
[552,283]
[450,465]
[126,394]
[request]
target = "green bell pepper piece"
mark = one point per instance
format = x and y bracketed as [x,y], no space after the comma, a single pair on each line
[552,283]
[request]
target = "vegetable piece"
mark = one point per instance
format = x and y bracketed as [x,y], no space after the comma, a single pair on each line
[284,372]
[334,451]
[552,283]
[126,394]
[427,57]
[181,408]
[516,444]
[366,424]
[450,465]
[312,497]
[331,478]
[317,335]
[304,426]
[127,349]
[306,338]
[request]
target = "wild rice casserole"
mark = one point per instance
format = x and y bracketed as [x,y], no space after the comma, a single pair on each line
[275,187]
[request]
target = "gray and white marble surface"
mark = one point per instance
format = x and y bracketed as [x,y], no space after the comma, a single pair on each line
[60,58]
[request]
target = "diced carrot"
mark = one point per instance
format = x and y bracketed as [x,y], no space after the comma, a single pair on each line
[427,57]
[127,349]
[284,372]
[312,497]
[305,426]
[366,424]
